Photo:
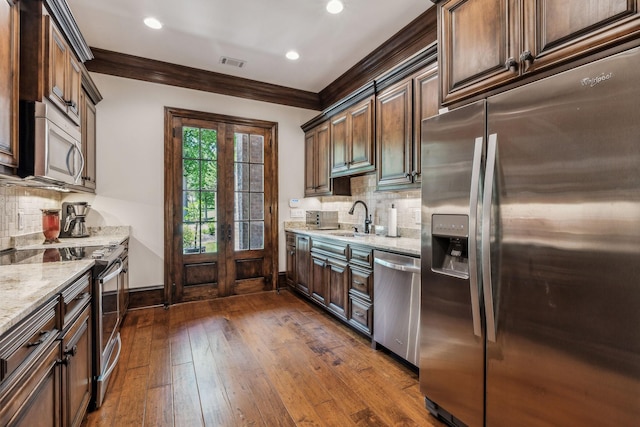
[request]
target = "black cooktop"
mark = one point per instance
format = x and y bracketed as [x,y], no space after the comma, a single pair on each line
[101,254]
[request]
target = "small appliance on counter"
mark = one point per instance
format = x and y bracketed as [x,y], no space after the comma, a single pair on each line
[322,220]
[73,218]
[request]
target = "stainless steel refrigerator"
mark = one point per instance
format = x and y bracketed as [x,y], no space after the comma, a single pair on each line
[530,306]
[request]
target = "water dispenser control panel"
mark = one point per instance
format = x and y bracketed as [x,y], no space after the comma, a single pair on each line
[450,225]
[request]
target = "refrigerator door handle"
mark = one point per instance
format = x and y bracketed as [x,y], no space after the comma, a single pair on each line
[473,250]
[486,237]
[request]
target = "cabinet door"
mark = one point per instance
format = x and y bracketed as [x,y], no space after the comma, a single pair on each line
[394,135]
[88,127]
[337,287]
[361,137]
[309,163]
[73,87]
[35,402]
[556,30]
[339,144]
[323,182]
[425,105]
[303,264]
[319,278]
[9,48]
[76,370]
[290,259]
[476,40]
[58,57]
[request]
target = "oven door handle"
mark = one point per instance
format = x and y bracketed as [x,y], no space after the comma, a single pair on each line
[114,274]
[115,361]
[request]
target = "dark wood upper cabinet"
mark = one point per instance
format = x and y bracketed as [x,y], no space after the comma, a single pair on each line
[352,140]
[484,44]
[9,84]
[317,182]
[394,134]
[425,105]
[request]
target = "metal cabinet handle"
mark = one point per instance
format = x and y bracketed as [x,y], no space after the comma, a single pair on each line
[474,287]
[486,238]
[72,351]
[43,336]
[82,296]
[355,282]
[511,64]
[358,313]
[527,56]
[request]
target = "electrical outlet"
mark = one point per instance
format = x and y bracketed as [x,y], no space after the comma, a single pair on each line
[296,213]
[20,220]
[417,216]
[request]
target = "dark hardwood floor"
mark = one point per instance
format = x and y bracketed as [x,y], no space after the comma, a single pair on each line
[258,360]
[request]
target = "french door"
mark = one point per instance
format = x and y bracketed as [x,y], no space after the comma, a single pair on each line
[220,205]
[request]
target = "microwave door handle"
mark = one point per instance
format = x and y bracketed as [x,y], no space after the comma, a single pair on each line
[473,227]
[486,238]
[79,148]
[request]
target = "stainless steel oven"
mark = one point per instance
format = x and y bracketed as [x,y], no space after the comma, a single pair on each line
[108,287]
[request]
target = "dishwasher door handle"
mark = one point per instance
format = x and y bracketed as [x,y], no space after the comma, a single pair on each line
[409,268]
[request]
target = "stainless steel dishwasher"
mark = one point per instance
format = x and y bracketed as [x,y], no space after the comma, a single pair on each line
[396,304]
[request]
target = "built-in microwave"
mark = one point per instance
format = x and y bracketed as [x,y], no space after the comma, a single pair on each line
[50,147]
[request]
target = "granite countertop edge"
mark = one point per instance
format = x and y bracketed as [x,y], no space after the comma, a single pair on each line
[25,287]
[402,245]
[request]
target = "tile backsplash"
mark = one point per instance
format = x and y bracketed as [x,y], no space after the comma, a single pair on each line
[28,202]
[407,203]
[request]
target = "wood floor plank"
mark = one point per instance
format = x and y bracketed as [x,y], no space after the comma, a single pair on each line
[255,360]
[186,401]
[159,409]
[131,406]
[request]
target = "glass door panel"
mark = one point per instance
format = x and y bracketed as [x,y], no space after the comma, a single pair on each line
[199,187]
[249,191]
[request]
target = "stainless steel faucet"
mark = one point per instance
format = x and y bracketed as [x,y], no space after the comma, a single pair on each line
[367,218]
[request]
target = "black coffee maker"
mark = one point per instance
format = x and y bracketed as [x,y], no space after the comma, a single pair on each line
[73,218]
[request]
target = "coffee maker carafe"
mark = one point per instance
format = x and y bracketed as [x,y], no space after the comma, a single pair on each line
[73,218]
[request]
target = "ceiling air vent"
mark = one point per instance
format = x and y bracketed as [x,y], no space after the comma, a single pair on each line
[232,62]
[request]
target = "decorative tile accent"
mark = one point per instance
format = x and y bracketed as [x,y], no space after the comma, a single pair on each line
[28,201]
[364,188]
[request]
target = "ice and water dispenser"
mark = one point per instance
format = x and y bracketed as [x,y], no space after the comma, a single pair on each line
[450,243]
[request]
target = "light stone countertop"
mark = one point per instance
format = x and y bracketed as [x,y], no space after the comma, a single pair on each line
[402,245]
[25,287]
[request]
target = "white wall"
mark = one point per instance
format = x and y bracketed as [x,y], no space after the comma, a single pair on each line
[130,166]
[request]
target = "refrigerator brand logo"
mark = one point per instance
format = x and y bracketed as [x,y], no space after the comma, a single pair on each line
[592,81]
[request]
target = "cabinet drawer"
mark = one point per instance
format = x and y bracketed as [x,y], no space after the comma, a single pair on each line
[74,298]
[335,249]
[361,315]
[361,283]
[361,256]
[29,339]
[291,239]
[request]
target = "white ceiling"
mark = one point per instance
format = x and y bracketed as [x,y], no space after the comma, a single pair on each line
[197,33]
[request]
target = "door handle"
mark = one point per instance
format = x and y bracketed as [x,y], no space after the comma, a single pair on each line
[474,287]
[486,237]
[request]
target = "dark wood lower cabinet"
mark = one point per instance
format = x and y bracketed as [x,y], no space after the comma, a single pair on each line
[76,370]
[303,264]
[46,375]
[35,399]
[337,276]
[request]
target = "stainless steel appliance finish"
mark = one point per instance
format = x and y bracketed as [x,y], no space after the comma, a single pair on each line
[543,328]
[108,284]
[50,148]
[73,219]
[322,220]
[396,306]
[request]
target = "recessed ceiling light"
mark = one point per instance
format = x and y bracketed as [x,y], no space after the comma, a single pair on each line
[335,6]
[292,55]
[152,23]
